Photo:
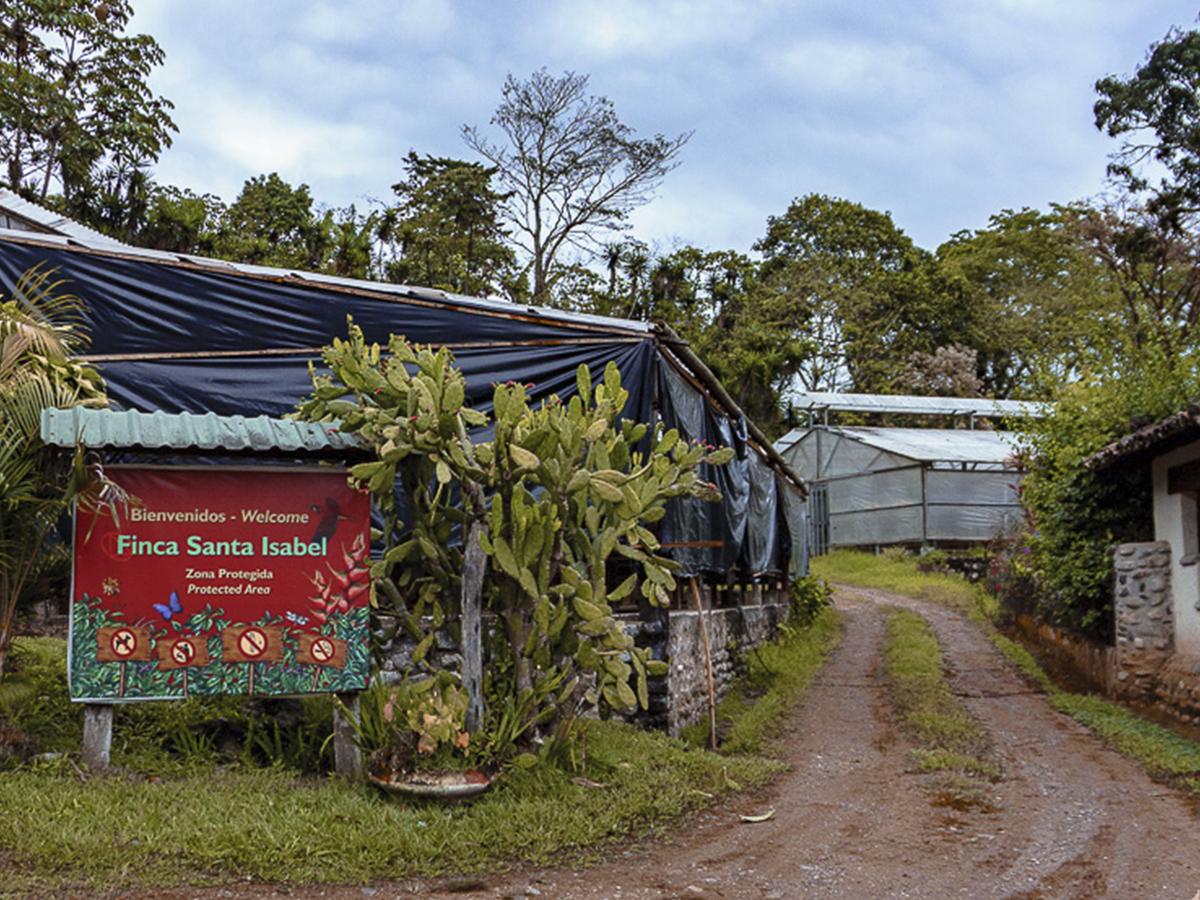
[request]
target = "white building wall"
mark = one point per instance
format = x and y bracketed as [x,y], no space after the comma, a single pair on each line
[1175,521]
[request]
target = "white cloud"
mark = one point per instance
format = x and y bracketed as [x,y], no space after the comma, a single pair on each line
[409,22]
[940,110]
[602,29]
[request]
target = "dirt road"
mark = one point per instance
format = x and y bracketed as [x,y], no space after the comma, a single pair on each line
[1071,819]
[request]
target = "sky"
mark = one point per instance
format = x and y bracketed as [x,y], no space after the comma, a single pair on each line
[941,112]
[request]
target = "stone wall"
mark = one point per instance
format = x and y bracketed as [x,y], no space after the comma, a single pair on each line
[1145,625]
[1178,688]
[676,700]
[731,632]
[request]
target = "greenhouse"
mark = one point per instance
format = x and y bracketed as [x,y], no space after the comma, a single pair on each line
[875,486]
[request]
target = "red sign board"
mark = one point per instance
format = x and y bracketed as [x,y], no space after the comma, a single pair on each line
[250,566]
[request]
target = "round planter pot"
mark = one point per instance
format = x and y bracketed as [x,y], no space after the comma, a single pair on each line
[434,785]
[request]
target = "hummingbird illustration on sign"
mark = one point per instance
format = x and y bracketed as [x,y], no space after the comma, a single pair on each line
[171,608]
[330,515]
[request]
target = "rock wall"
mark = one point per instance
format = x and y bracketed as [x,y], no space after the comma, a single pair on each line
[1145,625]
[731,632]
[676,700]
[1178,688]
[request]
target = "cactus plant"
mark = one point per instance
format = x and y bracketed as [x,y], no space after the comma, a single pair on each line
[562,490]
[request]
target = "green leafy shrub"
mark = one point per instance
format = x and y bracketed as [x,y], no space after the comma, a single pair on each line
[163,737]
[932,560]
[807,597]
[1075,516]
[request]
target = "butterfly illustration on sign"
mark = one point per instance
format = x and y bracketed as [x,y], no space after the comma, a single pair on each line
[169,609]
[296,618]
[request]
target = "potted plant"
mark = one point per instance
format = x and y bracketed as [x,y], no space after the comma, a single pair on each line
[412,735]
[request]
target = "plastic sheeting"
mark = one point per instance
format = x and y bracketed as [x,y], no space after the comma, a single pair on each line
[875,490]
[705,536]
[762,519]
[878,526]
[908,485]
[167,321]
[795,515]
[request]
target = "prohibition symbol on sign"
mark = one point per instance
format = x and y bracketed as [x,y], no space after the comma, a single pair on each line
[321,650]
[122,643]
[252,643]
[182,652]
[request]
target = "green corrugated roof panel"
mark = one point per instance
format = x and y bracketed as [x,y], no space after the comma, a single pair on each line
[187,431]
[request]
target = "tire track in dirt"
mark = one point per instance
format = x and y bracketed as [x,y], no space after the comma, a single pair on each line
[1079,819]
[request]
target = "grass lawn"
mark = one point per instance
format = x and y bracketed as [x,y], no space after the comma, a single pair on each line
[180,811]
[1162,753]
[272,825]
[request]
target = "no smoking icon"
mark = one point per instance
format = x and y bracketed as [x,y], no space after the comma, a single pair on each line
[323,650]
[253,643]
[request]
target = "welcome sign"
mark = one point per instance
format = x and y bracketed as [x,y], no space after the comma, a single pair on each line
[222,581]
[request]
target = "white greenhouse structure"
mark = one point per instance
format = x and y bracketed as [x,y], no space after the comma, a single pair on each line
[881,486]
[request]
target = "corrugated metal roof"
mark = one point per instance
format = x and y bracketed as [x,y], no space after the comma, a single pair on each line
[923,444]
[187,431]
[38,217]
[96,242]
[901,403]
[1152,440]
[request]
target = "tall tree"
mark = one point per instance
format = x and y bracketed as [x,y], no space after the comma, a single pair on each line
[1044,306]
[570,169]
[850,279]
[76,106]
[272,223]
[1149,238]
[445,230]
[1156,115]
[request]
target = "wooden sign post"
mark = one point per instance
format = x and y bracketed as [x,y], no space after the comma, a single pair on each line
[252,644]
[182,653]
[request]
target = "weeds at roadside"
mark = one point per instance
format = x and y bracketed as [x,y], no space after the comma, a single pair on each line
[269,824]
[752,712]
[949,740]
[175,814]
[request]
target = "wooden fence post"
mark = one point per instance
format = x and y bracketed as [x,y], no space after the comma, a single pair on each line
[347,760]
[97,735]
[474,563]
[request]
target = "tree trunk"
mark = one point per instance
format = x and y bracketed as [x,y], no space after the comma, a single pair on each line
[514,626]
[474,563]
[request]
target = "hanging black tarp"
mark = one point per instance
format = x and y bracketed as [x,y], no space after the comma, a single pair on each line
[184,335]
